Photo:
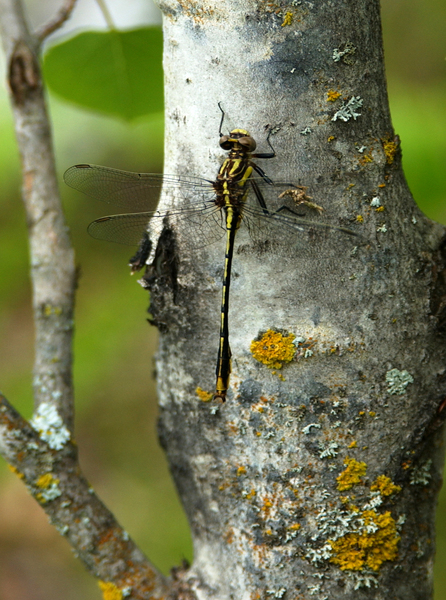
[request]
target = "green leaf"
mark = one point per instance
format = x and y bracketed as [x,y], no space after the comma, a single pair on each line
[114,72]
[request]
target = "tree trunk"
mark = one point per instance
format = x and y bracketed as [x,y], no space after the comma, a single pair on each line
[321,477]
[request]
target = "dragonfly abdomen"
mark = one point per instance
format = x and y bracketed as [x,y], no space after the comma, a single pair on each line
[223,371]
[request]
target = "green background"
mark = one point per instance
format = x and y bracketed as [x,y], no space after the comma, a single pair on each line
[114,345]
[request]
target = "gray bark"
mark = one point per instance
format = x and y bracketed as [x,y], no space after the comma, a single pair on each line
[280,484]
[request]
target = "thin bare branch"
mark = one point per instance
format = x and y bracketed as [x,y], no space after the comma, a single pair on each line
[54,479]
[53,272]
[57,21]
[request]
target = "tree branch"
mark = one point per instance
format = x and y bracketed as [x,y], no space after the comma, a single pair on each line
[53,272]
[55,480]
[57,21]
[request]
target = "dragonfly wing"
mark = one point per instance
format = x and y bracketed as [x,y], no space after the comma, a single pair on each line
[201,228]
[124,229]
[285,232]
[198,225]
[134,191]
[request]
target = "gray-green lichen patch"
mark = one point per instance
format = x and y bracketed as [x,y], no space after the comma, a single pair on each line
[49,425]
[398,381]
[349,110]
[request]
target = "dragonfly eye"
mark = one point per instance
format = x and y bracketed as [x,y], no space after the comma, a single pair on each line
[225,143]
[248,142]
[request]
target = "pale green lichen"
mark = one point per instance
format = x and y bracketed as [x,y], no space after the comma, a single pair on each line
[398,381]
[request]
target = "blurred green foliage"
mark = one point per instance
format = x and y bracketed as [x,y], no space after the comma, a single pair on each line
[115,392]
[113,72]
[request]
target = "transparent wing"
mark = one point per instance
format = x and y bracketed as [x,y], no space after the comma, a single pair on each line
[288,227]
[134,191]
[123,229]
[194,211]
[202,223]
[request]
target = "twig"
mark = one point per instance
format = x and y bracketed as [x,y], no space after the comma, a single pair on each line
[54,479]
[57,21]
[53,273]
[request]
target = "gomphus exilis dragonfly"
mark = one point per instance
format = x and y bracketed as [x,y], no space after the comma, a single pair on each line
[205,209]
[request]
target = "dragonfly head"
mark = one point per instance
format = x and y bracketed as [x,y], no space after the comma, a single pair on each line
[238,137]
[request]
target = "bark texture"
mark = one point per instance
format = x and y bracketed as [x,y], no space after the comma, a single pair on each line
[318,479]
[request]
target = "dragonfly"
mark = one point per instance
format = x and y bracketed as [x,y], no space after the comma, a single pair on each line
[206,210]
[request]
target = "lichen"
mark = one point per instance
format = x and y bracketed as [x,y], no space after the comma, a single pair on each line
[274,349]
[390,148]
[333,95]
[349,110]
[345,52]
[397,381]
[49,486]
[46,480]
[203,395]
[385,486]
[288,19]
[110,591]
[16,472]
[373,544]
[48,423]
[351,475]
[420,474]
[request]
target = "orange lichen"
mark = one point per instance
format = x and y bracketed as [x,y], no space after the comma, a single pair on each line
[369,547]
[16,471]
[385,486]
[110,591]
[332,95]
[366,158]
[46,480]
[359,218]
[274,349]
[203,395]
[351,475]
[288,19]
[390,149]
